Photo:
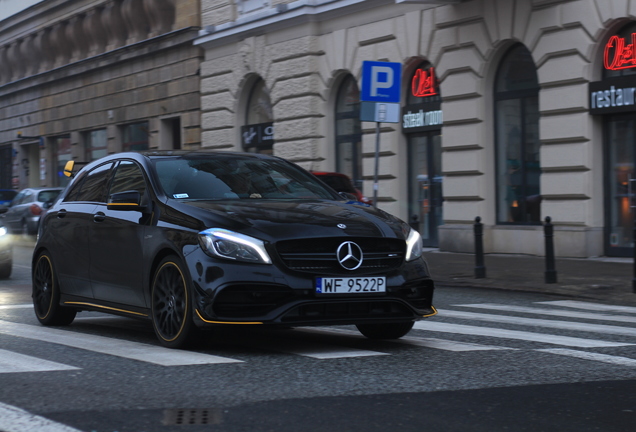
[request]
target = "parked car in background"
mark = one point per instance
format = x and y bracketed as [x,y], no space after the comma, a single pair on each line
[23,215]
[341,183]
[7,195]
[6,249]
[206,239]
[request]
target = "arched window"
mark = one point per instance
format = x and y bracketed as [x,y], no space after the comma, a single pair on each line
[258,132]
[517,138]
[349,131]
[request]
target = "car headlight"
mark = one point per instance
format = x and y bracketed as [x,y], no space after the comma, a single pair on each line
[222,243]
[3,231]
[413,245]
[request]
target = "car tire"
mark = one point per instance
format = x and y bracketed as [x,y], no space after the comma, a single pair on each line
[5,270]
[385,331]
[46,294]
[171,305]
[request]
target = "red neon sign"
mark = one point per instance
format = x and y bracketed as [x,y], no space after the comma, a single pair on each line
[618,55]
[423,83]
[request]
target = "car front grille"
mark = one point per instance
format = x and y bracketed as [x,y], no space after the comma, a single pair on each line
[380,255]
[250,300]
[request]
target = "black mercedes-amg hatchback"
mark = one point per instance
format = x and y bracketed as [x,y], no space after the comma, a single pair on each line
[201,239]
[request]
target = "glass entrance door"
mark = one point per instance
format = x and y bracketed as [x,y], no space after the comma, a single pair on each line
[621,140]
[425,185]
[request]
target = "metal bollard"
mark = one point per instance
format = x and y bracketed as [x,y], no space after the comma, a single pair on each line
[480,268]
[550,270]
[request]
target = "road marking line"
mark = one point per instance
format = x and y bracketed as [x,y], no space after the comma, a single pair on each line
[14,419]
[442,344]
[119,348]
[330,352]
[621,361]
[563,325]
[515,334]
[17,306]
[550,312]
[590,306]
[11,362]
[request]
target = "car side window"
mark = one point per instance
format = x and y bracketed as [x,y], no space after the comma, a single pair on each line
[27,197]
[18,199]
[128,176]
[71,195]
[95,185]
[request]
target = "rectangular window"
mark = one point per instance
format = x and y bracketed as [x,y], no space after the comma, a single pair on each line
[135,137]
[96,143]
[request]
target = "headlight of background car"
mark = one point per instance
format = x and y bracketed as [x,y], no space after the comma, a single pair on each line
[221,243]
[413,245]
[3,231]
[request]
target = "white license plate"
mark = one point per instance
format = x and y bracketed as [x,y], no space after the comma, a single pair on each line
[350,285]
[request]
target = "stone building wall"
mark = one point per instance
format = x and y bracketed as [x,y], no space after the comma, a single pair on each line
[72,67]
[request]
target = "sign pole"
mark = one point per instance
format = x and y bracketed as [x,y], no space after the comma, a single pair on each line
[377,164]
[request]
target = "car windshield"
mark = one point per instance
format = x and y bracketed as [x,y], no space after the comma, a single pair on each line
[7,195]
[48,195]
[234,177]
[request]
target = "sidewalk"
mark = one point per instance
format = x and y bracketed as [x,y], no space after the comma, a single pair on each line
[601,279]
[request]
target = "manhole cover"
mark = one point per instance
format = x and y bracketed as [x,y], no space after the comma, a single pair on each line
[196,416]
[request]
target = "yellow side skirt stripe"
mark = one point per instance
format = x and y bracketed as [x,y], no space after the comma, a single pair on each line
[105,307]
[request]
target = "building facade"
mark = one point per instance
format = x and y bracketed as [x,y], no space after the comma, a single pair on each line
[510,109]
[86,78]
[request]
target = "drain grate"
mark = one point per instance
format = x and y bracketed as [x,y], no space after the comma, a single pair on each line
[195,416]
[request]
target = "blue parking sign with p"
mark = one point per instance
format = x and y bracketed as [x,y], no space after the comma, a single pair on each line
[381,82]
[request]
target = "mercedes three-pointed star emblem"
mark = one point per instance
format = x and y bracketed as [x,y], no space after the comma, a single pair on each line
[349,255]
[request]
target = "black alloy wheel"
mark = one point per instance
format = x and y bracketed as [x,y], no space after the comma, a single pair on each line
[171,311]
[46,295]
[385,331]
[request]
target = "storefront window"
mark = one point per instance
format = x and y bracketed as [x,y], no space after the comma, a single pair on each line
[349,131]
[517,139]
[258,132]
[135,137]
[96,144]
[61,154]
[422,124]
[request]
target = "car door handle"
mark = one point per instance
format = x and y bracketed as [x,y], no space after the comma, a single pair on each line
[61,214]
[99,217]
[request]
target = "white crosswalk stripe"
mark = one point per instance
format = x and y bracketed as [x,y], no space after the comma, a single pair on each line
[116,347]
[551,312]
[15,362]
[616,360]
[590,306]
[515,334]
[553,324]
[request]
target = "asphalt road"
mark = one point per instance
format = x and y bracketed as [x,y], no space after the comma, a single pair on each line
[490,361]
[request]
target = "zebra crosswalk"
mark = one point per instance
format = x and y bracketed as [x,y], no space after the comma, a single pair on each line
[561,328]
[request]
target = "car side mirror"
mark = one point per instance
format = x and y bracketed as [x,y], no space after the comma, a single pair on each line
[127,200]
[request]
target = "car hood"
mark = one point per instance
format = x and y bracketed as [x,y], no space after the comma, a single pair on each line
[273,220]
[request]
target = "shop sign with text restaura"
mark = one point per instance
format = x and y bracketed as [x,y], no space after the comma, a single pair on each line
[616,94]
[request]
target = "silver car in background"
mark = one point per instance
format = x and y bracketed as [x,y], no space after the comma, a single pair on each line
[23,214]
